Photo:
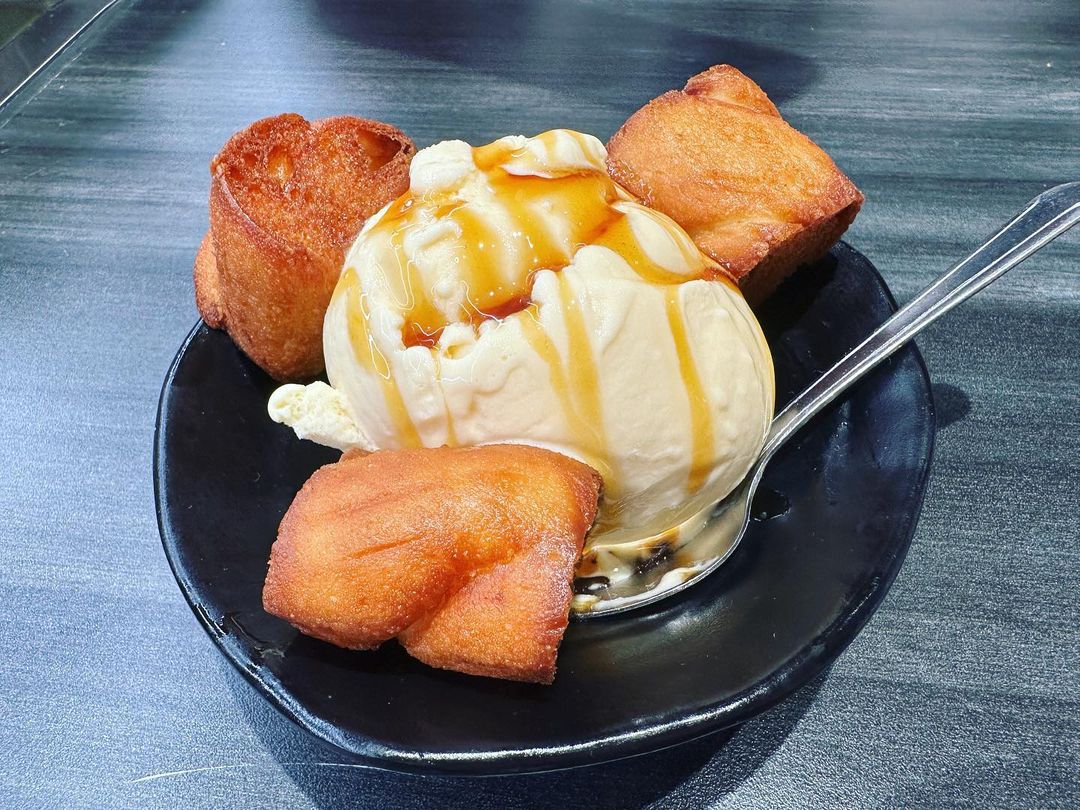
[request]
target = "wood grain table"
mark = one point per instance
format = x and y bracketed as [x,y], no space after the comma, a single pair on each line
[965,687]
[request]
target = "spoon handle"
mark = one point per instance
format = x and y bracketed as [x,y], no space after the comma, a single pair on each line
[1050,214]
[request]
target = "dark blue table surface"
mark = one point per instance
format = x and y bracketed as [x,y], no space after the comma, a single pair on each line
[964,688]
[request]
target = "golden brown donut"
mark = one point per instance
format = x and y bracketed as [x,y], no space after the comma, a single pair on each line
[755,194]
[466,555]
[287,197]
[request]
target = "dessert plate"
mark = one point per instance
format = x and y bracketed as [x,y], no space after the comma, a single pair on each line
[833,521]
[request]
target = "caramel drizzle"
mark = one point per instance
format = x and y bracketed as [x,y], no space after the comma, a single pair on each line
[701,423]
[497,256]
[371,358]
[584,421]
[584,375]
[498,259]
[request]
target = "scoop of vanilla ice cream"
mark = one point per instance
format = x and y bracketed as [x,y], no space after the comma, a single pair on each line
[516,294]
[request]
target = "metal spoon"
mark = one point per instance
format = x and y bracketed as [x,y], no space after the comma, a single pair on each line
[1050,214]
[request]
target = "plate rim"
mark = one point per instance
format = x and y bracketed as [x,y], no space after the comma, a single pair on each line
[786,679]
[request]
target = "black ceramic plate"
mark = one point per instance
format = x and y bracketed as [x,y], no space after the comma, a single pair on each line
[836,514]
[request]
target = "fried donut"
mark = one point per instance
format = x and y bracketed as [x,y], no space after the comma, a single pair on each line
[465,555]
[287,197]
[755,194]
